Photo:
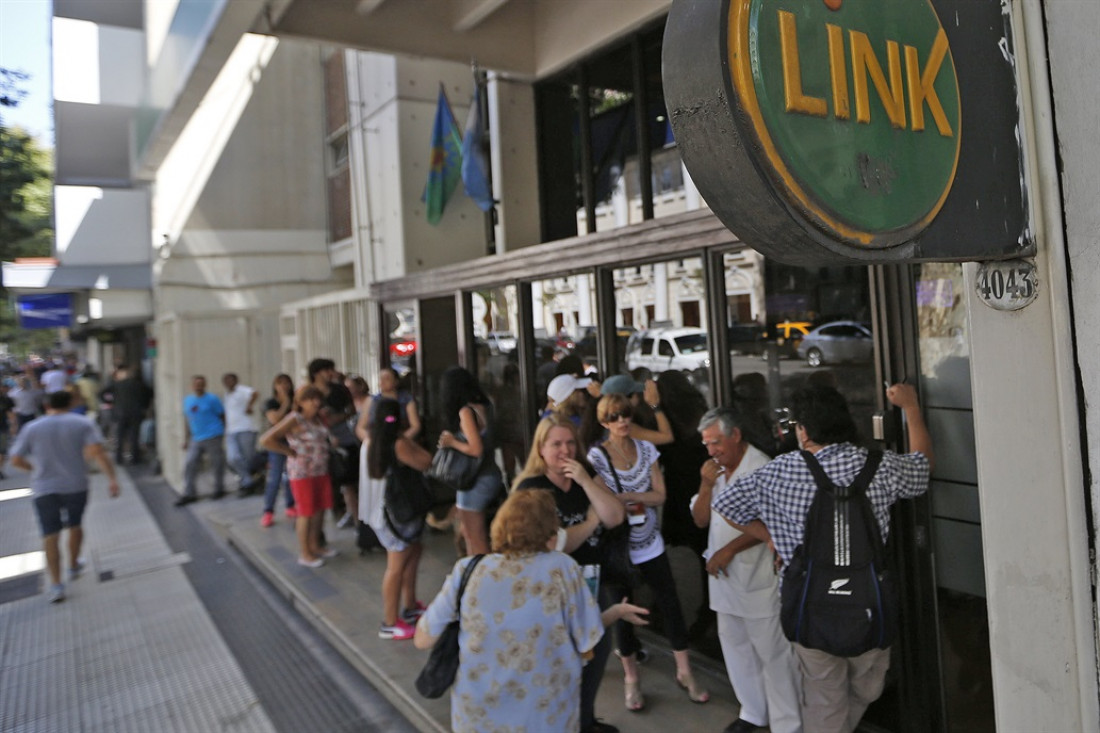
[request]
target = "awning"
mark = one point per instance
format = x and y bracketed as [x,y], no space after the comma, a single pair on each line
[52,277]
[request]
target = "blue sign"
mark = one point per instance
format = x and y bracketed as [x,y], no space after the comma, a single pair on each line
[54,310]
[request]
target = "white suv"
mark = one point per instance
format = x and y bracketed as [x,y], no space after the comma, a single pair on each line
[663,349]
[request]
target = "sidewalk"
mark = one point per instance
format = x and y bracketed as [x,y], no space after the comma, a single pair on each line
[130,649]
[343,600]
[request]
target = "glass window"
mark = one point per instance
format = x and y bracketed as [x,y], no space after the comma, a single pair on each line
[673,336]
[791,326]
[494,312]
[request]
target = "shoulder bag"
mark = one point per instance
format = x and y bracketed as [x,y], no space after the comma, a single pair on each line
[442,665]
[407,496]
[615,564]
[453,468]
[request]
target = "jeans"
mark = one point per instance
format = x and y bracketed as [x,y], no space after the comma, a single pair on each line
[276,477]
[212,447]
[241,449]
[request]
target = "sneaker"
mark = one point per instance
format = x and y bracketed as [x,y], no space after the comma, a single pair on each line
[267,520]
[218,494]
[77,570]
[57,593]
[185,500]
[291,513]
[412,615]
[398,632]
[329,552]
[311,563]
[344,520]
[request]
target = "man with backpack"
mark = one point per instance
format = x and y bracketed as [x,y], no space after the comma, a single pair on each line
[839,678]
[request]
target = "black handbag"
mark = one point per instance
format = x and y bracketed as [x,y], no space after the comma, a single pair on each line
[338,465]
[616,566]
[442,665]
[407,496]
[454,468]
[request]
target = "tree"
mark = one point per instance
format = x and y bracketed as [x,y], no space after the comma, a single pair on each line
[26,203]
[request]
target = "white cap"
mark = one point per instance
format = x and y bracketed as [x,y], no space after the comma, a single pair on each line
[563,385]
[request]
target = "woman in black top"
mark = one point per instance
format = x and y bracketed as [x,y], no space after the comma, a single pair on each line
[585,504]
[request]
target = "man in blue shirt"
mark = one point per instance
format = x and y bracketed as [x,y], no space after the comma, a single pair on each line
[203,429]
[59,444]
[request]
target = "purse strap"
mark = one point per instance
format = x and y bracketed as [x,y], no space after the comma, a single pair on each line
[465,578]
[614,471]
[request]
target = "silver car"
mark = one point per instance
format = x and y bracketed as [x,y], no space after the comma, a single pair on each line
[838,341]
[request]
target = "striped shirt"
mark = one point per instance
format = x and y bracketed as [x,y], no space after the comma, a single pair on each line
[780,493]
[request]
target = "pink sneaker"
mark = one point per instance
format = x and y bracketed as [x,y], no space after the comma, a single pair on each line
[412,615]
[398,632]
[267,520]
[291,513]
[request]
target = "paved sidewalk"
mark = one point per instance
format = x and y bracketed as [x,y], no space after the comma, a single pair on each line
[130,649]
[343,600]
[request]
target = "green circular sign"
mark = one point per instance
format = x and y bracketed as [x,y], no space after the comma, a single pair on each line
[855,108]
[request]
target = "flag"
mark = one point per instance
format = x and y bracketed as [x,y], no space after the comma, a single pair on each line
[446,160]
[475,158]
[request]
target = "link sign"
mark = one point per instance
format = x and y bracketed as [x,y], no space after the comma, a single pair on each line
[851,131]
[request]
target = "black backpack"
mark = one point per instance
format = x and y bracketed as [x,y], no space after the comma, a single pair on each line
[838,595]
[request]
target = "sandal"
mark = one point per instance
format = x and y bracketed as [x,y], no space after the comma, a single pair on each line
[695,693]
[634,699]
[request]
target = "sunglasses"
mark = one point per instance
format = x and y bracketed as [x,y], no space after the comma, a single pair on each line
[616,416]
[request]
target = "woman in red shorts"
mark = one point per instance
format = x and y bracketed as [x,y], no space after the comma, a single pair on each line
[303,438]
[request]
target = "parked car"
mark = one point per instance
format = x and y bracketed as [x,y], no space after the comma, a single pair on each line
[668,348]
[835,342]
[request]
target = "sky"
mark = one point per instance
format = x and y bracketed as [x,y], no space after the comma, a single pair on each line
[25,46]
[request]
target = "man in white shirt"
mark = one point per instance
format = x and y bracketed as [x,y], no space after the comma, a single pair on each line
[55,378]
[240,430]
[744,588]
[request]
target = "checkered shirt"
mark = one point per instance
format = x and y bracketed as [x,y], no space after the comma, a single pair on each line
[780,493]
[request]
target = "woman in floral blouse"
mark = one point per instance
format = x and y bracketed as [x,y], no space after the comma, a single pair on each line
[302,437]
[528,623]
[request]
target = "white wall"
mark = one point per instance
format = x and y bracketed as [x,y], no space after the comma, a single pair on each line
[97,226]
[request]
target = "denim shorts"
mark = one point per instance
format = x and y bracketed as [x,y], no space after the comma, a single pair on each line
[50,508]
[487,487]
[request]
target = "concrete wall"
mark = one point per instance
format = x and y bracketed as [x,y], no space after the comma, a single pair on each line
[398,98]
[254,239]
[1027,416]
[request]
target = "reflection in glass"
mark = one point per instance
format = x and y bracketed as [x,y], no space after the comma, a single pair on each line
[565,326]
[788,327]
[662,306]
[960,593]
[494,312]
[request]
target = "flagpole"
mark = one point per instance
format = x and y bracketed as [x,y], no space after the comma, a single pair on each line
[482,99]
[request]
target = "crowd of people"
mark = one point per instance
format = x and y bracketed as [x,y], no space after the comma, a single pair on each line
[619,468]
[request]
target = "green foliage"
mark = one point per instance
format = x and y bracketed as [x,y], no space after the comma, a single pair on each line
[26,209]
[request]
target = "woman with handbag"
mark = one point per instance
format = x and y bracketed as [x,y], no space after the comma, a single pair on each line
[526,616]
[467,417]
[585,506]
[630,467]
[302,437]
[396,460]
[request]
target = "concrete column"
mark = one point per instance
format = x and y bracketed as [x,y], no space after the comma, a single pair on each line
[514,162]
[660,288]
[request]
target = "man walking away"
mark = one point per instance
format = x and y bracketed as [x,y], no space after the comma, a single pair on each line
[240,430]
[203,429]
[772,504]
[59,445]
[131,401]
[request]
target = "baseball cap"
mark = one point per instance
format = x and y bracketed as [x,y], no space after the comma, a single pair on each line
[621,384]
[563,385]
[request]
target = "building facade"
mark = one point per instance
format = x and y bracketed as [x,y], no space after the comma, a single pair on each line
[294,228]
